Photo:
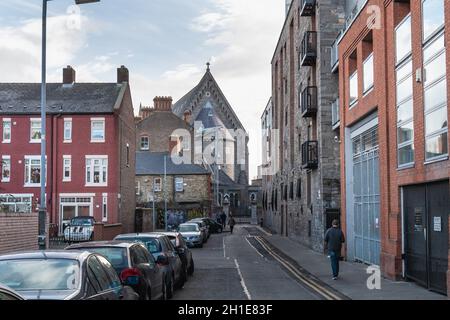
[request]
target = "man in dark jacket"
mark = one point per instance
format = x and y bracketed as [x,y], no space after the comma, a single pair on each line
[223,217]
[334,238]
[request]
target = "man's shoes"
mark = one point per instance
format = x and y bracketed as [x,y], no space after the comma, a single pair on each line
[335,278]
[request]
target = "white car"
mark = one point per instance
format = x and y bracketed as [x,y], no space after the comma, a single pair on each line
[191,234]
[80,229]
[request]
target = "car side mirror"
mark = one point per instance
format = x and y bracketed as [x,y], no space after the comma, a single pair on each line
[162,260]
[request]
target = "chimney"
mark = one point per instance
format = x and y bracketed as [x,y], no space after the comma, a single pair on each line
[123,75]
[162,103]
[69,75]
[187,116]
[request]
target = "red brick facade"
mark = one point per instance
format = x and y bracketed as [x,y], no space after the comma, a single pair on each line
[382,99]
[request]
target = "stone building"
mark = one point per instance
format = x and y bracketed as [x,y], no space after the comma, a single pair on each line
[301,186]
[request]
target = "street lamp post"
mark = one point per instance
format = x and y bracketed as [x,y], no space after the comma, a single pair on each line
[165,193]
[43,203]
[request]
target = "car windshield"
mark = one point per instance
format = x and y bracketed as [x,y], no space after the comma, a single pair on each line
[40,274]
[188,228]
[81,222]
[116,256]
[152,244]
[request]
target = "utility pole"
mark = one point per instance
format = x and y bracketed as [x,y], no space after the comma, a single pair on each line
[165,192]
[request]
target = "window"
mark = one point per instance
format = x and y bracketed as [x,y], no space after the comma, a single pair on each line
[299,188]
[403,39]
[6,168]
[32,170]
[16,203]
[105,208]
[433,17]
[145,144]
[368,73]
[435,102]
[128,154]
[67,130]
[157,184]
[35,130]
[179,184]
[353,88]
[404,94]
[137,187]
[98,130]
[96,171]
[67,168]
[6,130]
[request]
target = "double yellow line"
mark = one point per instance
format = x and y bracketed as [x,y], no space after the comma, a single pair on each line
[316,287]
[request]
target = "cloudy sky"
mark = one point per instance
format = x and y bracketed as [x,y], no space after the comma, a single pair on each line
[164,43]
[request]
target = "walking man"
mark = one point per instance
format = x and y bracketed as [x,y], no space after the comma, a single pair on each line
[223,217]
[334,238]
[231,222]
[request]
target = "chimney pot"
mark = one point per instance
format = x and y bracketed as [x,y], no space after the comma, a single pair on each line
[163,103]
[69,75]
[122,75]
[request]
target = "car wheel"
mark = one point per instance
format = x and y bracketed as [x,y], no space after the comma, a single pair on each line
[191,268]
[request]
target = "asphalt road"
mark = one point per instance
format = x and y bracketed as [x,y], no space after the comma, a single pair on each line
[237,267]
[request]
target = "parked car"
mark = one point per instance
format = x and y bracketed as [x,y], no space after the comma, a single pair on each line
[9,294]
[160,247]
[134,265]
[63,275]
[203,228]
[192,234]
[80,229]
[183,250]
[214,226]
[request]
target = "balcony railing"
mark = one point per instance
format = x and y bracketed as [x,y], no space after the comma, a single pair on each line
[310,155]
[336,117]
[309,101]
[308,51]
[307,7]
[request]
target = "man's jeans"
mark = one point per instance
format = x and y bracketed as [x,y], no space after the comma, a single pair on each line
[334,257]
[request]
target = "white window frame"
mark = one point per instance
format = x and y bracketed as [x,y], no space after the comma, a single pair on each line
[177,183]
[352,76]
[34,120]
[2,167]
[159,189]
[92,158]
[65,158]
[368,87]
[5,121]
[96,120]
[148,143]
[67,121]
[104,207]
[30,158]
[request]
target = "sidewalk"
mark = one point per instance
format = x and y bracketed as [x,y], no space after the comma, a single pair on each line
[352,277]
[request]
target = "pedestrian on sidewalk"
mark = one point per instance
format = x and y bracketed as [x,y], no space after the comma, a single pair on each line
[223,217]
[334,238]
[231,222]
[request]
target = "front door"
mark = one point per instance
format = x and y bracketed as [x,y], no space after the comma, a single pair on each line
[426,234]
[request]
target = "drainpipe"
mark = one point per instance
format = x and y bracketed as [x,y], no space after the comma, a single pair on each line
[54,163]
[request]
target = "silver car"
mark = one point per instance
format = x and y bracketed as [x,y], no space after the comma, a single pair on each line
[192,234]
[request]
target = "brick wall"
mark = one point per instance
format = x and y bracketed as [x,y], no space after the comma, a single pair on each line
[18,232]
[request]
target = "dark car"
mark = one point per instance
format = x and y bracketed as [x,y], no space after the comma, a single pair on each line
[134,265]
[162,250]
[9,294]
[63,275]
[214,226]
[203,228]
[183,250]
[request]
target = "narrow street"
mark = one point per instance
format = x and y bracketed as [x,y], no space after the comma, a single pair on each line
[239,266]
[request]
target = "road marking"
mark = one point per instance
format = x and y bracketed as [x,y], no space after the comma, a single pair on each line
[315,286]
[246,238]
[247,293]
[262,230]
[223,240]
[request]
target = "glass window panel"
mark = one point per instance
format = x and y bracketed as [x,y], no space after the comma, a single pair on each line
[434,48]
[436,146]
[98,130]
[368,73]
[405,70]
[6,170]
[433,16]
[436,120]
[405,111]
[435,70]
[404,89]
[6,130]
[403,39]
[354,87]
[406,155]
[436,95]
[405,133]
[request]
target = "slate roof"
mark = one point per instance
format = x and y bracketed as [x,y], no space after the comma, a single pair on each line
[152,163]
[209,118]
[84,98]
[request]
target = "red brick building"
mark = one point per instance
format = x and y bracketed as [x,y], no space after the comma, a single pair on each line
[90,150]
[393,66]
